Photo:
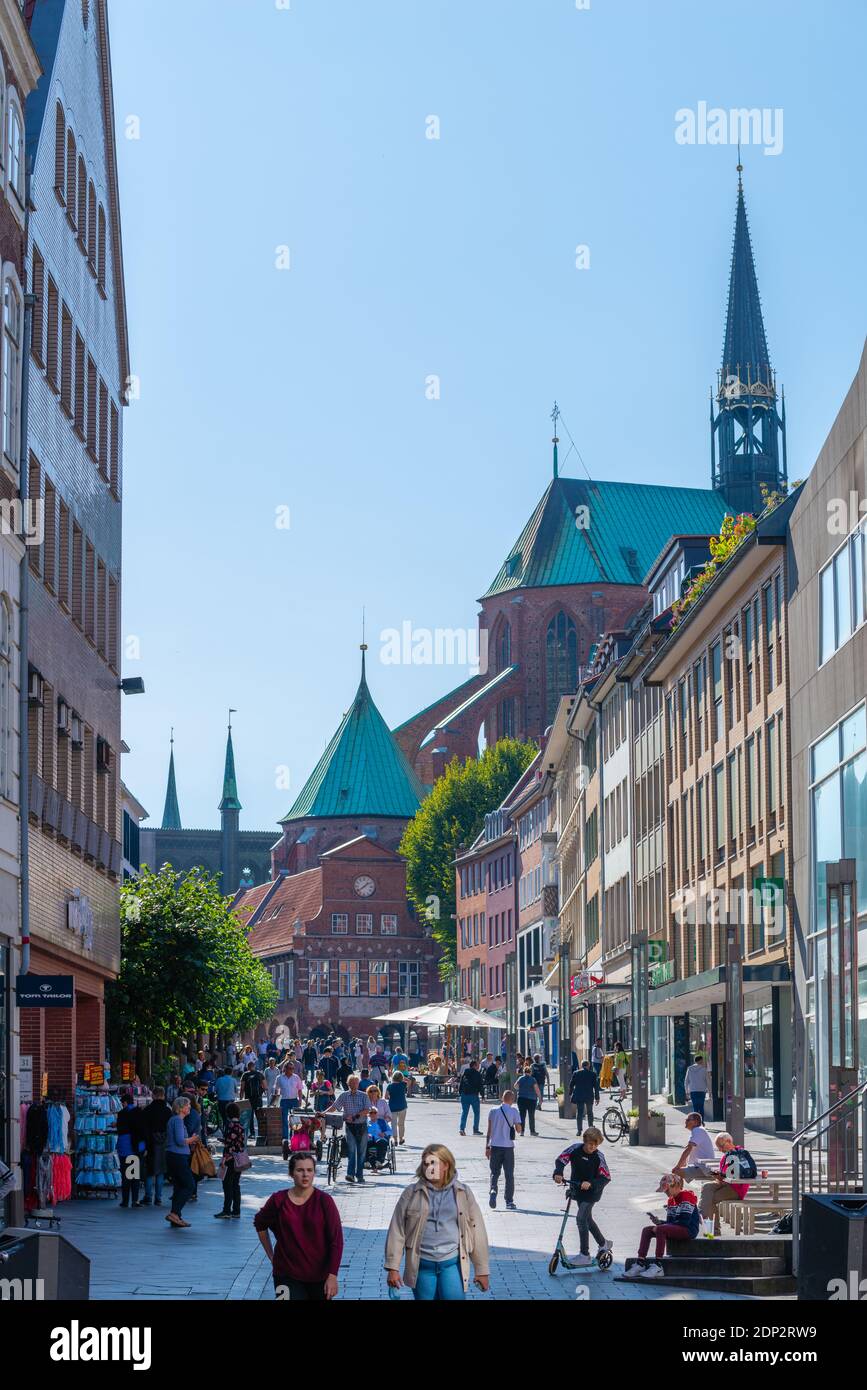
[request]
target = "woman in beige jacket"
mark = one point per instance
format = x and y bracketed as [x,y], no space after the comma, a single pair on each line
[438,1230]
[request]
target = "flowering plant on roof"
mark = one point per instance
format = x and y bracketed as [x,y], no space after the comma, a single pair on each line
[733,531]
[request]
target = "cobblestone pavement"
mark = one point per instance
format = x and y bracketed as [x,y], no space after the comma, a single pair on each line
[136,1254]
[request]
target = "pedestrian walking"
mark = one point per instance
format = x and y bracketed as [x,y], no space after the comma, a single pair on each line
[235,1160]
[504,1122]
[306,1227]
[308,1061]
[583,1091]
[470,1089]
[289,1088]
[252,1089]
[261,1053]
[529,1096]
[178,1146]
[540,1074]
[354,1105]
[597,1057]
[696,1083]
[437,1230]
[330,1065]
[224,1090]
[270,1074]
[588,1179]
[131,1146]
[621,1071]
[396,1096]
[344,1071]
[156,1122]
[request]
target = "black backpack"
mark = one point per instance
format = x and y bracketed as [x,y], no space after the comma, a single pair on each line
[740,1165]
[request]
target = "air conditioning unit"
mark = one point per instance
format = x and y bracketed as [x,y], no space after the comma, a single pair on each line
[77,731]
[103,755]
[64,718]
[34,688]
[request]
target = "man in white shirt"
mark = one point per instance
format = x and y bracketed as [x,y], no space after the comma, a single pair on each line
[289,1088]
[272,1075]
[504,1122]
[698,1162]
[696,1083]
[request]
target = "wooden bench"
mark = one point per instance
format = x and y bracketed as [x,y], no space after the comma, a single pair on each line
[767,1197]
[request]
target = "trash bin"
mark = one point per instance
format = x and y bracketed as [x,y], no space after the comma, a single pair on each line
[37,1265]
[832,1259]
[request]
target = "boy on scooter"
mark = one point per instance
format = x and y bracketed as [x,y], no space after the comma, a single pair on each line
[588,1179]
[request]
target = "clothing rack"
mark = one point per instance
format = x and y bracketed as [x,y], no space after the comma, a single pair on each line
[96,1165]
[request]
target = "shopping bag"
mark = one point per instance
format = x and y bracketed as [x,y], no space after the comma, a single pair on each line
[242,1161]
[201,1163]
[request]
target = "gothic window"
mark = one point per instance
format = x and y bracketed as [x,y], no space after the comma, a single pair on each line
[504,648]
[507,718]
[561,662]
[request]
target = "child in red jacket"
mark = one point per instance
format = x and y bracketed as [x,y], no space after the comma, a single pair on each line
[680,1222]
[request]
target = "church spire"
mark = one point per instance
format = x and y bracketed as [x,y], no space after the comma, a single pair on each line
[555,416]
[171,813]
[747,430]
[230,800]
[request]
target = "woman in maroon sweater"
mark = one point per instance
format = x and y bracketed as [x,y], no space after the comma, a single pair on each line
[306,1226]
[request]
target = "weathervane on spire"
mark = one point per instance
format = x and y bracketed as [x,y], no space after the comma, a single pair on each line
[740,167]
[555,416]
[231,712]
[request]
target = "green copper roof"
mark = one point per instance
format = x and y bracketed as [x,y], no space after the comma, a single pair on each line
[362,771]
[230,800]
[171,811]
[623,530]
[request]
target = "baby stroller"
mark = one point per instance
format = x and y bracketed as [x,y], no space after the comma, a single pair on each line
[305,1135]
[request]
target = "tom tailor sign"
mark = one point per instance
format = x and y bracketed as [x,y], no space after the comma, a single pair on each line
[45,991]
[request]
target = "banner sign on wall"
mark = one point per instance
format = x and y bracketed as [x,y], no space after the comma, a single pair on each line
[45,991]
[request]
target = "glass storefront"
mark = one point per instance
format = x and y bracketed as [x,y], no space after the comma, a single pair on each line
[838,804]
[759,1054]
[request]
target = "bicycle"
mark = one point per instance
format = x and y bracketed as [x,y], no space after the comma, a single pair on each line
[334,1147]
[615,1124]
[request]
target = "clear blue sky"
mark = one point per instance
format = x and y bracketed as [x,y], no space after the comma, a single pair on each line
[305,388]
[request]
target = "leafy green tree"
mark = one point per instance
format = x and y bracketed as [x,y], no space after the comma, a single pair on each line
[186,964]
[452,815]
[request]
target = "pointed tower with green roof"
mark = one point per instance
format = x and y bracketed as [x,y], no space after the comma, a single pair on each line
[229,808]
[171,812]
[362,785]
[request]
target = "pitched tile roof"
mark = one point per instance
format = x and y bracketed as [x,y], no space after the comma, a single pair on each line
[297,896]
[627,525]
[362,772]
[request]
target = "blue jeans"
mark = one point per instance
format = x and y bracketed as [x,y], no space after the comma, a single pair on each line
[356,1149]
[469,1103]
[439,1279]
[696,1100]
[154,1187]
[286,1108]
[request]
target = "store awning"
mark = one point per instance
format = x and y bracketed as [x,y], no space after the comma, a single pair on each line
[696,993]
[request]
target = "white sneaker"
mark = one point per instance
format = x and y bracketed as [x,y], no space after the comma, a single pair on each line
[653,1271]
[606,1245]
[581,1261]
[633,1272]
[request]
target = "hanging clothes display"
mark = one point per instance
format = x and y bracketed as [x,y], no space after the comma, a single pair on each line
[96,1165]
[46,1166]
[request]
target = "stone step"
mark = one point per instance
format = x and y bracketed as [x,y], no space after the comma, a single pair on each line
[741,1247]
[765,1286]
[734,1267]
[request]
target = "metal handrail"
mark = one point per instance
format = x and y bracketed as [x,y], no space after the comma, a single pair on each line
[805,1145]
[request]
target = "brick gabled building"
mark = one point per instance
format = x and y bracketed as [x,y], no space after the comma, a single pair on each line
[334,925]
[574,572]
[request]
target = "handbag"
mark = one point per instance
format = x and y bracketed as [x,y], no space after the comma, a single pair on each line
[242,1161]
[201,1163]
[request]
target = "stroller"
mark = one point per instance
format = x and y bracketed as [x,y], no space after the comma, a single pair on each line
[305,1135]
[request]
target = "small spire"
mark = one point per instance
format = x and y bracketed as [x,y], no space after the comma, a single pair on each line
[555,416]
[171,812]
[740,170]
[229,800]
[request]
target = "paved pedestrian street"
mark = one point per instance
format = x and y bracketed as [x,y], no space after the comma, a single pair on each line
[135,1254]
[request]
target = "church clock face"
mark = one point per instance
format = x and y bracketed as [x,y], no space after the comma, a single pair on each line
[364,886]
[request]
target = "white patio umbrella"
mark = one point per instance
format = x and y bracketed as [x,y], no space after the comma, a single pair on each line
[449,1014]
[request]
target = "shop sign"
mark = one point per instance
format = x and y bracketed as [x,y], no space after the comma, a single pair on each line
[126,1071]
[25,1078]
[94,1074]
[43,1091]
[657,950]
[45,991]
[661,974]
[585,980]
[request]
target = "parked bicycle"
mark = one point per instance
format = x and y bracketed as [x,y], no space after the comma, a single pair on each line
[615,1124]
